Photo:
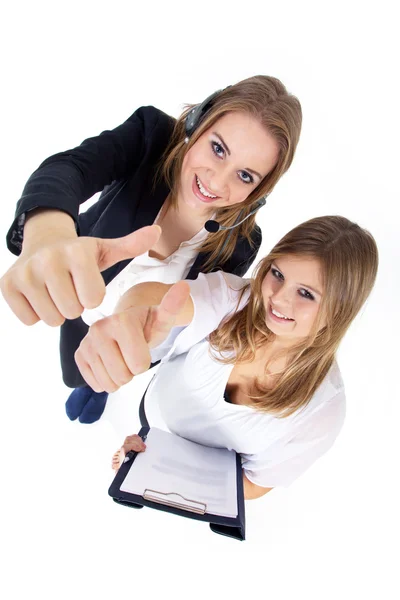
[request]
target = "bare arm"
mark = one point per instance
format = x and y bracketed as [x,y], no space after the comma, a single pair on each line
[253,491]
[47,224]
[151,293]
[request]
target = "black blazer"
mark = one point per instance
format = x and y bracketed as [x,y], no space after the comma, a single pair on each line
[121,164]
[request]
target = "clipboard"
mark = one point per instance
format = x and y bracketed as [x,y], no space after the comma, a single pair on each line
[176,504]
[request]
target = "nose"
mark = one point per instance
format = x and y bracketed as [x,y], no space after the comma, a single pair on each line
[281,297]
[217,181]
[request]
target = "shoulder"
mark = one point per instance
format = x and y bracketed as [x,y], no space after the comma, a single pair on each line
[154,119]
[244,253]
[216,295]
[256,236]
[331,387]
[334,378]
[250,247]
[234,284]
[221,285]
[326,411]
[331,392]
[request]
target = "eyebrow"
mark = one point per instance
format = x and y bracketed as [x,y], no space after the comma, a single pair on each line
[301,284]
[229,152]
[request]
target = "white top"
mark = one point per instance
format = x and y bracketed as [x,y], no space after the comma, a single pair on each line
[189,391]
[145,268]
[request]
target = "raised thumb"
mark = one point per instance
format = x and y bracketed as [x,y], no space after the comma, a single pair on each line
[111,251]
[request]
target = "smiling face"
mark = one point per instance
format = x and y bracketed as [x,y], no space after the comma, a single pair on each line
[292,288]
[227,163]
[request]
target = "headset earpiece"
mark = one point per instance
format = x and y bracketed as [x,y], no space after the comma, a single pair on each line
[197,114]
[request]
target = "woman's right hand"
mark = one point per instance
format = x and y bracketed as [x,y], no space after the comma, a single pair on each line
[58,276]
[132,443]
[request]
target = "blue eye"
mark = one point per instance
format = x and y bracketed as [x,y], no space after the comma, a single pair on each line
[220,152]
[217,148]
[250,180]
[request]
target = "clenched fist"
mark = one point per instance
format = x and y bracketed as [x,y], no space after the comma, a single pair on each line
[118,347]
[59,278]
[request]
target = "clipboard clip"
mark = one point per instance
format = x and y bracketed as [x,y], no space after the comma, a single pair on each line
[182,503]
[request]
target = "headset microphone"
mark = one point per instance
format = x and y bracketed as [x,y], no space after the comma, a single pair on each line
[214,226]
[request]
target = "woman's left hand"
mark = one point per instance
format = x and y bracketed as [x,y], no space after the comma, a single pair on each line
[118,347]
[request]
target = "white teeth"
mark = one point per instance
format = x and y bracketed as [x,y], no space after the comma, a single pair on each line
[278,314]
[203,191]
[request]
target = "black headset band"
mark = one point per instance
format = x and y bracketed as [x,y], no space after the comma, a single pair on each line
[198,112]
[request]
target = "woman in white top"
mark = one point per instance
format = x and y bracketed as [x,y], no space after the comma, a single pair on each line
[271,344]
[218,160]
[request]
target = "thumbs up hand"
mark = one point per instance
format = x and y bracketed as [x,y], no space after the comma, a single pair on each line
[118,347]
[110,251]
[58,278]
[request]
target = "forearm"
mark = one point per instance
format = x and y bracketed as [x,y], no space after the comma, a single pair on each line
[253,491]
[151,293]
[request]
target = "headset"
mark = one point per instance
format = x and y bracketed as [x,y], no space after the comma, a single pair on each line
[192,122]
[198,112]
[214,226]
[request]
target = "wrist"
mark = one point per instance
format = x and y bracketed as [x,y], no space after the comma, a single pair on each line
[44,225]
[149,293]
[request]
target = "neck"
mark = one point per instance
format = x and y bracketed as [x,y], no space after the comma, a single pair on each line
[195,214]
[186,222]
[274,349]
[281,342]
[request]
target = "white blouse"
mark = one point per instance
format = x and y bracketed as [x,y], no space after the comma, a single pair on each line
[187,394]
[145,268]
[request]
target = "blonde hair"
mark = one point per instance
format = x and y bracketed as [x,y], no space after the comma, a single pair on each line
[266,99]
[348,257]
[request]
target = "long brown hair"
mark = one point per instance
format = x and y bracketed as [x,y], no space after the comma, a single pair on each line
[348,257]
[266,99]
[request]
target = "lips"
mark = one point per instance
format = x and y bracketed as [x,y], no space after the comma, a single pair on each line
[198,194]
[278,319]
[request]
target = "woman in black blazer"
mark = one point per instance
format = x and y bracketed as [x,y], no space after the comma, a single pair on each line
[218,161]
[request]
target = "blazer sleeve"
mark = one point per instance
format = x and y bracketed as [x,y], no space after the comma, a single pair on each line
[67,179]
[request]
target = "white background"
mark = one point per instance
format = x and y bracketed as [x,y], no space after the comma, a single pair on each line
[71,70]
